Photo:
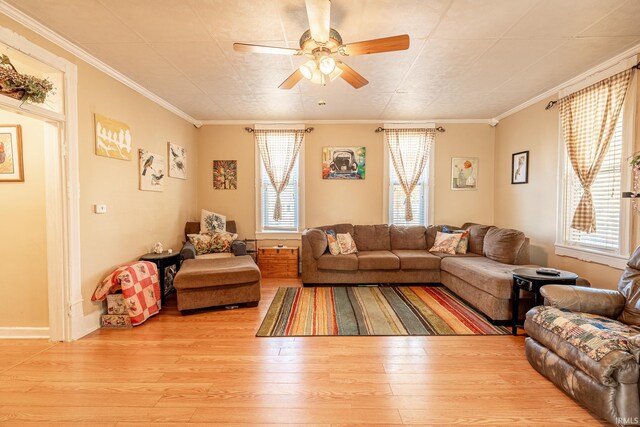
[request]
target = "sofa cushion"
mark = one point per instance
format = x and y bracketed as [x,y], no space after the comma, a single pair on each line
[415,259]
[629,287]
[338,262]
[372,237]
[408,237]
[378,260]
[490,276]
[204,273]
[503,244]
[477,233]
[318,241]
[456,255]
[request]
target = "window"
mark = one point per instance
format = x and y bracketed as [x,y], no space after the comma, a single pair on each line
[288,198]
[605,192]
[412,148]
[280,148]
[397,199]
[609,244]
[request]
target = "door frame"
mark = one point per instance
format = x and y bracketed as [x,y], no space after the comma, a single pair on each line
[66,315]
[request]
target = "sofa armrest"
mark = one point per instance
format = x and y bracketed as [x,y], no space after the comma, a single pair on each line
[239,247]
[188,251]
[601,302]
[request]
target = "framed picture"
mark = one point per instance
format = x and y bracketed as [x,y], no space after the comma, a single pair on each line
[152,171]
[225,174]
[344,162]
[520,167]
[177,161]
[113,138]
[11,169]
[464,173]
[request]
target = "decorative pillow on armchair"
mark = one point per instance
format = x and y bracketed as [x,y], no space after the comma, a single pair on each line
[202,243]
[211,222]
[347,244]
[221,242]
[446,242]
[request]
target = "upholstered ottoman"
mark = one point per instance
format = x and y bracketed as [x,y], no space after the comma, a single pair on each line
[212,282]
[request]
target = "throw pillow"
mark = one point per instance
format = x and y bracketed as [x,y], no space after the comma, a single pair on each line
[211,222]
[446,243]
[464,240]
[347,244]
[202,243]
[332,242]
[221,242]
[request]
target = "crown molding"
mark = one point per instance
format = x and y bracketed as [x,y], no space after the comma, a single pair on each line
[343,122]
[554,91]
[58,40]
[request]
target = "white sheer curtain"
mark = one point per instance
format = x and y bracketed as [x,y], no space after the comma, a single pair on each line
[409,150]
[279,149]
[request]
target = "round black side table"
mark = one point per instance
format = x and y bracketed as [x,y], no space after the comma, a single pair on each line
[527,279]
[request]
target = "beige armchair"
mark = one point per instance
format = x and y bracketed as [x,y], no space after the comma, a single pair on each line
[587,342]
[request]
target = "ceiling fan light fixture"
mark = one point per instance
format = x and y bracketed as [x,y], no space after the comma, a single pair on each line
[318,78]
[308,69]
[327,65]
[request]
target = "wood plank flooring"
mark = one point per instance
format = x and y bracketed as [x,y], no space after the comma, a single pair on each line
[209,368]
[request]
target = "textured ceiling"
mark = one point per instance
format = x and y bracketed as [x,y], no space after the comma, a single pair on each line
[469,59]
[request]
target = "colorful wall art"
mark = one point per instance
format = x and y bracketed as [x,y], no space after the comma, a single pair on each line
[343,162]
[225,174]
[152,171]
[113,138]
[177,161]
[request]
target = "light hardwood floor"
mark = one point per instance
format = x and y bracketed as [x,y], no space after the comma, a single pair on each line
[210,369]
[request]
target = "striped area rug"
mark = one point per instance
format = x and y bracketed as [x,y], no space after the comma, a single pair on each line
[385,311]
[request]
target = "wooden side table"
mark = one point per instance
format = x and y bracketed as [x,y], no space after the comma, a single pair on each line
[281,262]
[164,261]
[527,279]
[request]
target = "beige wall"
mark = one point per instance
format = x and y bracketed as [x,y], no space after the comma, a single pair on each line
[358,202]
[532,207]
[135,219]
[23,259]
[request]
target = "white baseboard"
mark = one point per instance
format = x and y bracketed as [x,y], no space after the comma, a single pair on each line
[23,332]
[82,326]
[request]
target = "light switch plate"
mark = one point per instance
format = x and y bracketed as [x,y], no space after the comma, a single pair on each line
[101,209]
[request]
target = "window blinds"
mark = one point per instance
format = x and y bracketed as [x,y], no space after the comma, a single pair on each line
[606,194]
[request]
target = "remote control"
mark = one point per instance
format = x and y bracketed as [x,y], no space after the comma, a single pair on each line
[548,271]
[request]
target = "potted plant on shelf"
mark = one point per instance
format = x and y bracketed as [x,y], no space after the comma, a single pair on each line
[22,86]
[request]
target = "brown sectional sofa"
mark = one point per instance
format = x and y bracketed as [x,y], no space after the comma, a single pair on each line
[399,254]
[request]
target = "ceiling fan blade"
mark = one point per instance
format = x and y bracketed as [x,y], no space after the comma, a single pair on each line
[319,14]
[292,80]
[351,76]
[255,48]
[387,44]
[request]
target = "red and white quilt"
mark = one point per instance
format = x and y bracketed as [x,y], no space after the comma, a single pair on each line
[140,288]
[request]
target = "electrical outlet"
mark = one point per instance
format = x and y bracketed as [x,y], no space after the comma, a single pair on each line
[101,209]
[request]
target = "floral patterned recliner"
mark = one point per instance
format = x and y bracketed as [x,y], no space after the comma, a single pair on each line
[587,342]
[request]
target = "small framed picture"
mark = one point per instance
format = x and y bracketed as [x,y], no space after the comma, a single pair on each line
[11,169]
[464,173]
[520,167]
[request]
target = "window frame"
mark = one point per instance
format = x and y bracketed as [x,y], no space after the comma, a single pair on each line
[429,178]
[618,258]
[261,233]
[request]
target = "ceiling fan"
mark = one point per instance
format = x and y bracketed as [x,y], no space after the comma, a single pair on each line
[324,48]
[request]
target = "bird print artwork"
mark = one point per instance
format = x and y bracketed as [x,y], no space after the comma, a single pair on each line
[147,165]
[152,171]
[3,155]
[177,161]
